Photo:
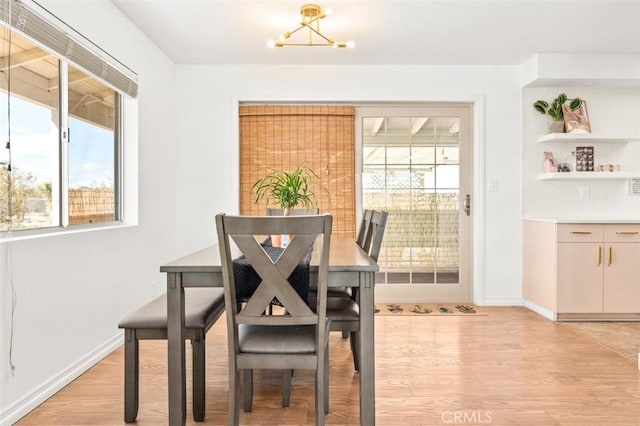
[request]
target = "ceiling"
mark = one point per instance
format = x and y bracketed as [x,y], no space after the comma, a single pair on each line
[388,31]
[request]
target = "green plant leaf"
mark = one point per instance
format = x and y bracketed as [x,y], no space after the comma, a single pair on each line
[541,106]
[575,104]
[562,98]
[288,189]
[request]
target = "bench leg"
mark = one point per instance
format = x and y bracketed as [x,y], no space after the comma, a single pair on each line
[131,375]
[248,390]
[287,377]
[199,378]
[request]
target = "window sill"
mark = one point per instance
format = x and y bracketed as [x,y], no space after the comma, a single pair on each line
[6,237]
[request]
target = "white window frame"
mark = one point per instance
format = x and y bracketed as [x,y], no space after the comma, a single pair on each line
[30,20]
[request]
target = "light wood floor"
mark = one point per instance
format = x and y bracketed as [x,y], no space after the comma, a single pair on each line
[510,367]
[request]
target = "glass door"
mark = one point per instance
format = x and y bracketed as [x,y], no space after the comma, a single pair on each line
[416,164]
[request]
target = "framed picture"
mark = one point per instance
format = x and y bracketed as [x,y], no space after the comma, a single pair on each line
[576,121]
[584,159]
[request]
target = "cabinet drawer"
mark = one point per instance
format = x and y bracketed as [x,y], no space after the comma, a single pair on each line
[580,233]
[622,233]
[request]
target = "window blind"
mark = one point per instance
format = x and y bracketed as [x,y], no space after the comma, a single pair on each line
[37,24]
[283,136]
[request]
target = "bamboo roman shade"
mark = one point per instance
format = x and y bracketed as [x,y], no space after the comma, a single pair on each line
[38,25]
[283,136]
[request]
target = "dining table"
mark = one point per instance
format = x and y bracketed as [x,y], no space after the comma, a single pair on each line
[349,265]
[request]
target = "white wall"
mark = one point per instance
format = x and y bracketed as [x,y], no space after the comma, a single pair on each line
[208,96]
[73,289]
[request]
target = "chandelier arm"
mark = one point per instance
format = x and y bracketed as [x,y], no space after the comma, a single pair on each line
[328,40]
[302,25]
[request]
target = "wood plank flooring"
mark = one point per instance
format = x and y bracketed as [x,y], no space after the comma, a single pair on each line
[511,367]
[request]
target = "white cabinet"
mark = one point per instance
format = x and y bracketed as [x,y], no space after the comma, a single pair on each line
[592,270]
[555,140]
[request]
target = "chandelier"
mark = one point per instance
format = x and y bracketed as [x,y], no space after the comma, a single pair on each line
[311,16]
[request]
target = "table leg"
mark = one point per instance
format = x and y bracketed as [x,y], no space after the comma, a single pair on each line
[367,350]
[176,356]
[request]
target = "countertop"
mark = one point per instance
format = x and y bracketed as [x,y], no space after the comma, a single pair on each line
[580,220]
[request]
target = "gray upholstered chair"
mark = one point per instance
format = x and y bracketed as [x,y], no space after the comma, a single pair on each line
[344,312]
[364,227]
[203,307]
[362,233]
[295,337]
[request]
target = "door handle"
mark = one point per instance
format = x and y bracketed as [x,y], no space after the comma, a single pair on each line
[467,204]
[599,256]
[610,255]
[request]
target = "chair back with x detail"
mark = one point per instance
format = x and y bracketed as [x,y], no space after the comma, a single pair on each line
[296,337]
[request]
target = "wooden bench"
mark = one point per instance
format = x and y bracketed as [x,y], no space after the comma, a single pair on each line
[203,307]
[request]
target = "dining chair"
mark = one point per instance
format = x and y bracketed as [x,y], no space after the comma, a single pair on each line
[344,312]
[292,338]
[364,227]
[202,308]
[362,233]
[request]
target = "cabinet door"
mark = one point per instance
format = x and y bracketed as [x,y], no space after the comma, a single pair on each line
[622,278]
[580,269]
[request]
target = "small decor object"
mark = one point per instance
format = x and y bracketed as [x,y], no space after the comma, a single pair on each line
[550,165]
[576,120]
[584,159]
[609,167]
[569,163]
[556,111]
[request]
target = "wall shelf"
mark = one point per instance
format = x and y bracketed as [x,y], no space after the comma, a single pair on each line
[586,137]
[588,176]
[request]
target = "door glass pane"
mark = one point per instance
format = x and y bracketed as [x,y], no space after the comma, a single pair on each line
[30,192]
[411,168]
[92,150]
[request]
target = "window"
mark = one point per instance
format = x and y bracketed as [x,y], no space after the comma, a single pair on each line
[60,122]
[411,168]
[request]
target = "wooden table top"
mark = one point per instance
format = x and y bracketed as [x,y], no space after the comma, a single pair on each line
[345,255]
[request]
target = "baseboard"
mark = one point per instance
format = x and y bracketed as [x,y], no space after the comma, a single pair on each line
[50,387]
[540,310]
[501,301]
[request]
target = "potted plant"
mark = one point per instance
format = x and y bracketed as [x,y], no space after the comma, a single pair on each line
[555,110]
[289,189]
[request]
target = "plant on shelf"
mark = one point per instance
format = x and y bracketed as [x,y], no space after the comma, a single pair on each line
[554,110]
[289,189]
